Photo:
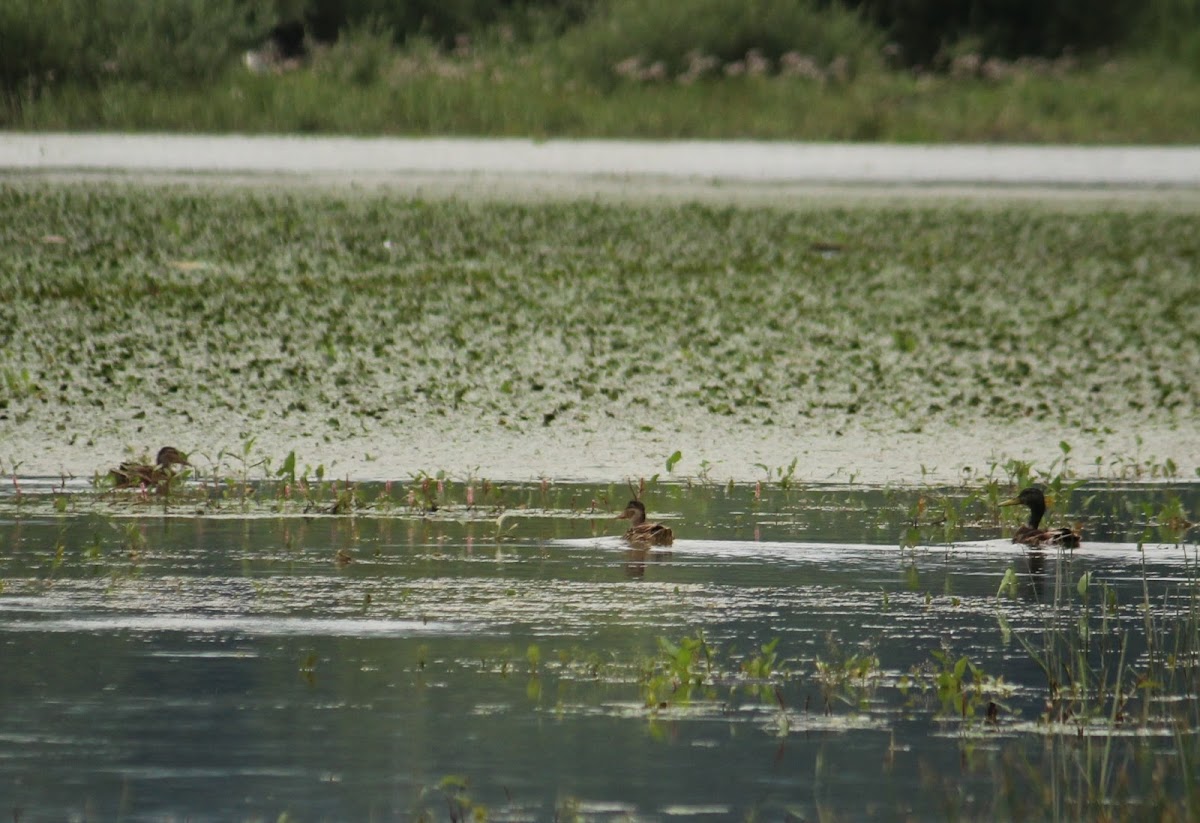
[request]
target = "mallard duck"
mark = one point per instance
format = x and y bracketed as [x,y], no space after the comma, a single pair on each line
[642,533]
[1031,534]
[143,474]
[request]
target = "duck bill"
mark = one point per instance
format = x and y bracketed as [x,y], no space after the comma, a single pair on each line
[625,515]
[1012,501]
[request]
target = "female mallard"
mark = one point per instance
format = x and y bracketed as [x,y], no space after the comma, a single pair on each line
[1031,534]
[642,533]
[143,474]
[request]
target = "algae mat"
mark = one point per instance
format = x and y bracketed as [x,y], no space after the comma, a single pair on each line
[381,334]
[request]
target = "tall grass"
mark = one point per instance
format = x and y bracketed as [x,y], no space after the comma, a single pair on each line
[1130,102]
[88,43]
[768,69]
[1109,681]
[674,34]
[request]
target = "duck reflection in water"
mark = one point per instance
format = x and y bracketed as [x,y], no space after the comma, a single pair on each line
[636,560]
[1035,561]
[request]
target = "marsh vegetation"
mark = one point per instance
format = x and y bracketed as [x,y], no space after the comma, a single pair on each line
[358,325]
[454,645]
[297,622]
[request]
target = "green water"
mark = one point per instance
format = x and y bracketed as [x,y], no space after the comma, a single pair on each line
[220,657]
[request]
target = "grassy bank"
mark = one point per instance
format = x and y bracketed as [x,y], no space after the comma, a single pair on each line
[772,69]
[1119,102]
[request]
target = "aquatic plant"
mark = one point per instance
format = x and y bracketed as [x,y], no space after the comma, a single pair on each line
[374,307]
[675,457]
[1093,685]
[783,476]
[1082,780]
[426,490]
[1169,520]
[287,468]
[961,687]
[17,384]
[848,677]
[762,666]
[452,790]
[678,669]
[765,674]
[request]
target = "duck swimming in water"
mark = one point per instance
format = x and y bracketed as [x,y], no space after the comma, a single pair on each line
[1031,534]
[144,474]
[642,533]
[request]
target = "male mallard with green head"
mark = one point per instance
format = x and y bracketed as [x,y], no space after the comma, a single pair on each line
[145,474]
[642,533]
[1031,534]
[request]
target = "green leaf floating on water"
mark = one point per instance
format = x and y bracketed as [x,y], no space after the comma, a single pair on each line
[1008,584]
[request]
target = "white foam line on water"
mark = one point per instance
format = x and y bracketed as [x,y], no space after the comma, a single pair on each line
[233,624]
[1155,551]
[743,160]
[685,810]
[824,553]
[834,551]
[217,654]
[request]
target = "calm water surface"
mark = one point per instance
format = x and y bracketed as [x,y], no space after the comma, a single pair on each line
[217,658]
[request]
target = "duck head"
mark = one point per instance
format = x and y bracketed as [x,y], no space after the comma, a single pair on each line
[171,456]
[634,512]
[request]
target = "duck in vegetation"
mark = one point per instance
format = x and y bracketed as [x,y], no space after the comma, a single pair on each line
[642,533]
[149,474]
[1031,533]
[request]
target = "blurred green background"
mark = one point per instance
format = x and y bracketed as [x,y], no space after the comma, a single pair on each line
[1068,70]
